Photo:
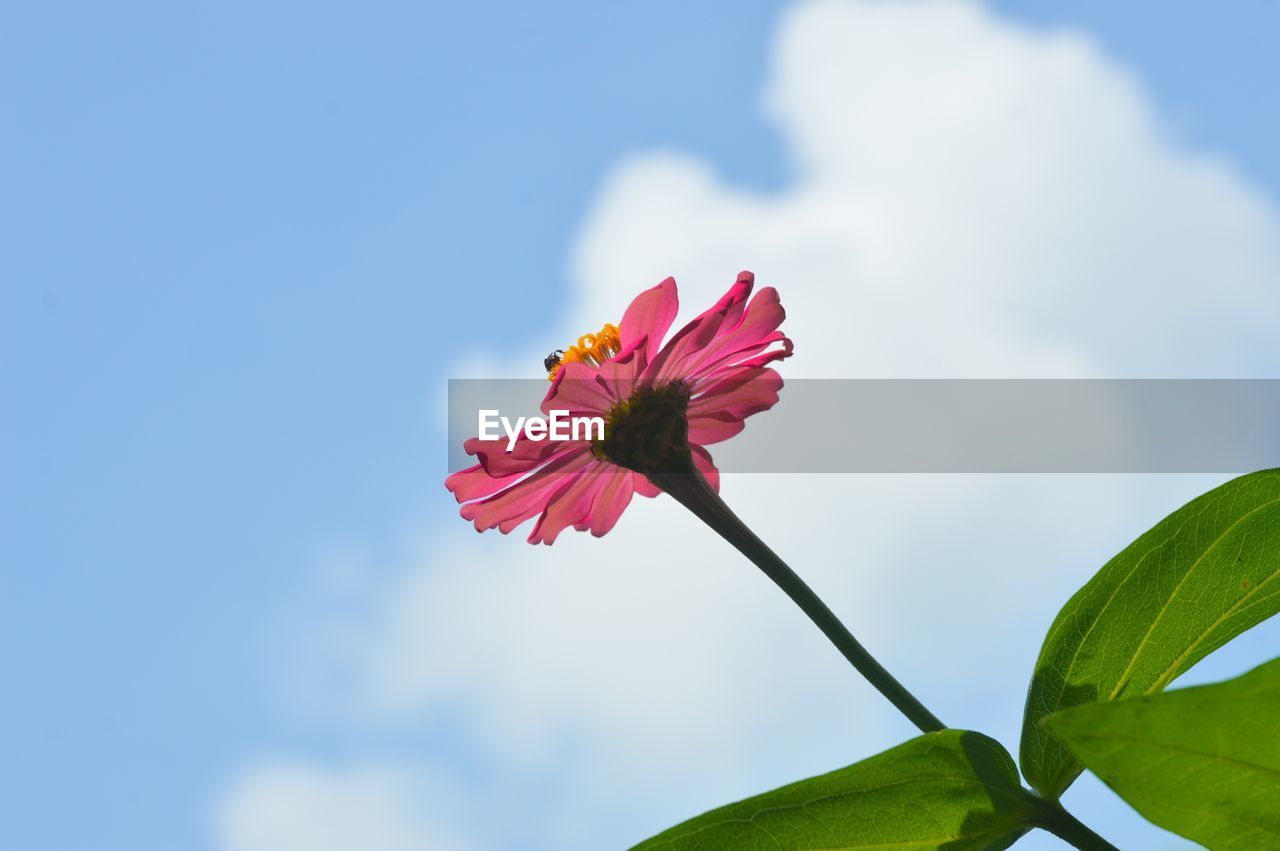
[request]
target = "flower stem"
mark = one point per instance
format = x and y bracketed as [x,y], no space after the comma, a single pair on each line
[692,491]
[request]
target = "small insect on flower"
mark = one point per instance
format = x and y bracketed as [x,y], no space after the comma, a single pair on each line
[661,405]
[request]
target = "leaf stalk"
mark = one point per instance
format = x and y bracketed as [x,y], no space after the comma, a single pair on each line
[1051,816]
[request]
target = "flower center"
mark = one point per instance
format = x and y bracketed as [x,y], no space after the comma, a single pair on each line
[592,349]
[648,432]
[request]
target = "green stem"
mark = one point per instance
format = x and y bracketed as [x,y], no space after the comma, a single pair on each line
[692,491]
[1053,818]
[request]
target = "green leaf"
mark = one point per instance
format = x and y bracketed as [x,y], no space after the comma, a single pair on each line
[1203,762]
[951,789]
[1202,576]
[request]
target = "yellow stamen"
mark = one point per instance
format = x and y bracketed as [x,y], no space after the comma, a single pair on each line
[592,349]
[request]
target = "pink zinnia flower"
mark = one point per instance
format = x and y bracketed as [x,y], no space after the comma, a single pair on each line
[662,404]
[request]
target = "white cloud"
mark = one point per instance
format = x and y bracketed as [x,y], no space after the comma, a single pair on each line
[971,198]
[287,805]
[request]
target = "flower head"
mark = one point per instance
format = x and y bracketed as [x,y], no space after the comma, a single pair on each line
[661,404]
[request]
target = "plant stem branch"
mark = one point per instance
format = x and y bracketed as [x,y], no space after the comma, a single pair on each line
[1062,824]
[692,491]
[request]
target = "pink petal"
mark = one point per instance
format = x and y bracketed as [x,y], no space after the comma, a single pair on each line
[702,461]
[577,388]
[644,487]
[620,372]
[522,500]
[690,339]
[757,330]
[595,390]
[770,357]
[707,430]
[610,501]
[571,503]
[729,369]
[741,354]
[474,482]
[736,394]
[719,410]
[672,361]
[500,462]
[650,314]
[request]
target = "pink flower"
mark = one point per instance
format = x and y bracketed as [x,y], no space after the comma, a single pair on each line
[662,404]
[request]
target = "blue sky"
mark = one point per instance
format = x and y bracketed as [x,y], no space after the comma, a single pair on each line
[243,246]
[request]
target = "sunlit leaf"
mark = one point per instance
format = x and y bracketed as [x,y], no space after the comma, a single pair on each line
[1203,575]
[1203,762]
[952,789]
